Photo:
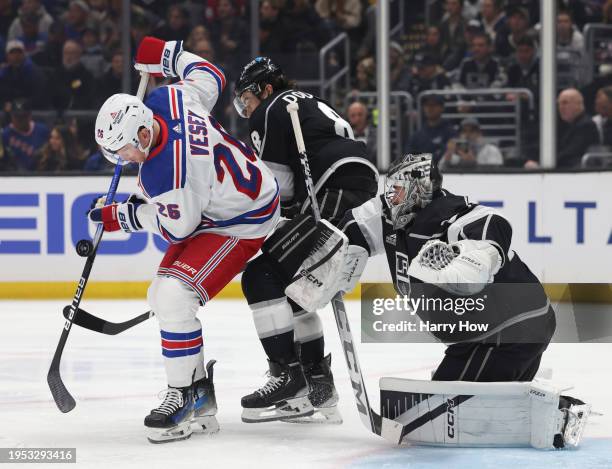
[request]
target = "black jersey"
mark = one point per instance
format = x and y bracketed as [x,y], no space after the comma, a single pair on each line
[336,159]
[515,295]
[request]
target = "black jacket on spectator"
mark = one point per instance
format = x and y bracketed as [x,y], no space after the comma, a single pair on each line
[488,75]
[50,56]
[431,139]
[73,89]
[26,81]
[519,77]
[574,139]
[454,42]
[418,85]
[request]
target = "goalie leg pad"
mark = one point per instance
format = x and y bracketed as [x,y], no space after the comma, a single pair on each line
[290,244]
[460,414]
[331,267]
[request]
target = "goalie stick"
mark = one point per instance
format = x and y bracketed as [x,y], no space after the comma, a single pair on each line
[374,422]
[62,397]
[88,321]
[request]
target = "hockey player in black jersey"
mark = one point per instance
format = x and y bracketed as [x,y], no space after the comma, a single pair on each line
[300,385]
[439,245]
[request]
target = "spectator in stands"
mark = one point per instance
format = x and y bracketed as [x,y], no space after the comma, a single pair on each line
[210,9]
[7,14]
[30,7]
[111,81]
[524,72]
[93,55]
[452,34]
[51,54]
[435,132]
[481,70]
[364,131]
[204,48]
[176,26]
[576,131]
[73,84]
[61,152]
[23,137]
[471,9]
[33,40]
[568,36]
[606,12]
[470,150]
[603,109]
[20,78]
[428,75]
[433,46]
[305,26]
[365,75]
[492,17]
[507,41]
[272,28]
[339,15]
[198,33]
[229,34]
[399,72]
[76,19]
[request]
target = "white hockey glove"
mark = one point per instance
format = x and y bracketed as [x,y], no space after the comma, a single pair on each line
[461,268]
[332,267]
[117,217]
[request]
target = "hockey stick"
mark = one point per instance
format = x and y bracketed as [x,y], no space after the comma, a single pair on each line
[65,402]
[368,416]
[88,321]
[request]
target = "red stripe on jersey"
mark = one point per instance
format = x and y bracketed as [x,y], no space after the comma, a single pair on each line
[179,344]
[174,107]
[177,164]
[215,70]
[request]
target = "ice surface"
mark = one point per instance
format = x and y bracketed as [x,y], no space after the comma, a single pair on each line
[115,381]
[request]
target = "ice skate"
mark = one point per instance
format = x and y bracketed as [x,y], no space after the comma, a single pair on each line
[183,411]
[284,396]
[205,403]
[322,395]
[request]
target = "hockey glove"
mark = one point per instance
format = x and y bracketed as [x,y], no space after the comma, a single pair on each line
[117,217]
[461,268]
[158,57]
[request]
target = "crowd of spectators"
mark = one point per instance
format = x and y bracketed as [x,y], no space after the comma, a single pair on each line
[65,55]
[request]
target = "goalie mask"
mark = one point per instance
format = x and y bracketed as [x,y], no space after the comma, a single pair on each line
[119,120]
[409,187]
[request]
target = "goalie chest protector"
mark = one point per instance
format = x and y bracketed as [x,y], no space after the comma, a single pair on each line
[515,295]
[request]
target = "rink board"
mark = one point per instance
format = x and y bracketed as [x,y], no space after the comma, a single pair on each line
[562,228]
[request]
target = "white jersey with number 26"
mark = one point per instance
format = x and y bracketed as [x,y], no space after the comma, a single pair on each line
[200,179]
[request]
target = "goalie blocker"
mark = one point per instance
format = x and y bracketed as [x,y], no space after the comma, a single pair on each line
[460,414]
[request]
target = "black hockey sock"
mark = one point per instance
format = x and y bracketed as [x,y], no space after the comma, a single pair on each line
[280,348]
[312,352]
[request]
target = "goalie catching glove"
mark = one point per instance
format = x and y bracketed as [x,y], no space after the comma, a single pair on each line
[461,268]
[117,217]
[332,266]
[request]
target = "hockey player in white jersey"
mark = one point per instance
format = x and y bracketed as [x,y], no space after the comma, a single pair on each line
[206,193]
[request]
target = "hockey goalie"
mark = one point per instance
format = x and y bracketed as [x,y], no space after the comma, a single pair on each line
[440,245]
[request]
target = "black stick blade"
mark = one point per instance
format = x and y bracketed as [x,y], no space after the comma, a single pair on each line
[88,321]
[65,402]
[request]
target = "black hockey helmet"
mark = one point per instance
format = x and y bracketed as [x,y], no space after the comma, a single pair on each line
[260,71]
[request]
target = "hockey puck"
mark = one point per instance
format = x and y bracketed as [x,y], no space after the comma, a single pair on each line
[84,247]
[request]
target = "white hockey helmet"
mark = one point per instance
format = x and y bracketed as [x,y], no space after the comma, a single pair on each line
[409,187]
[118,122]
